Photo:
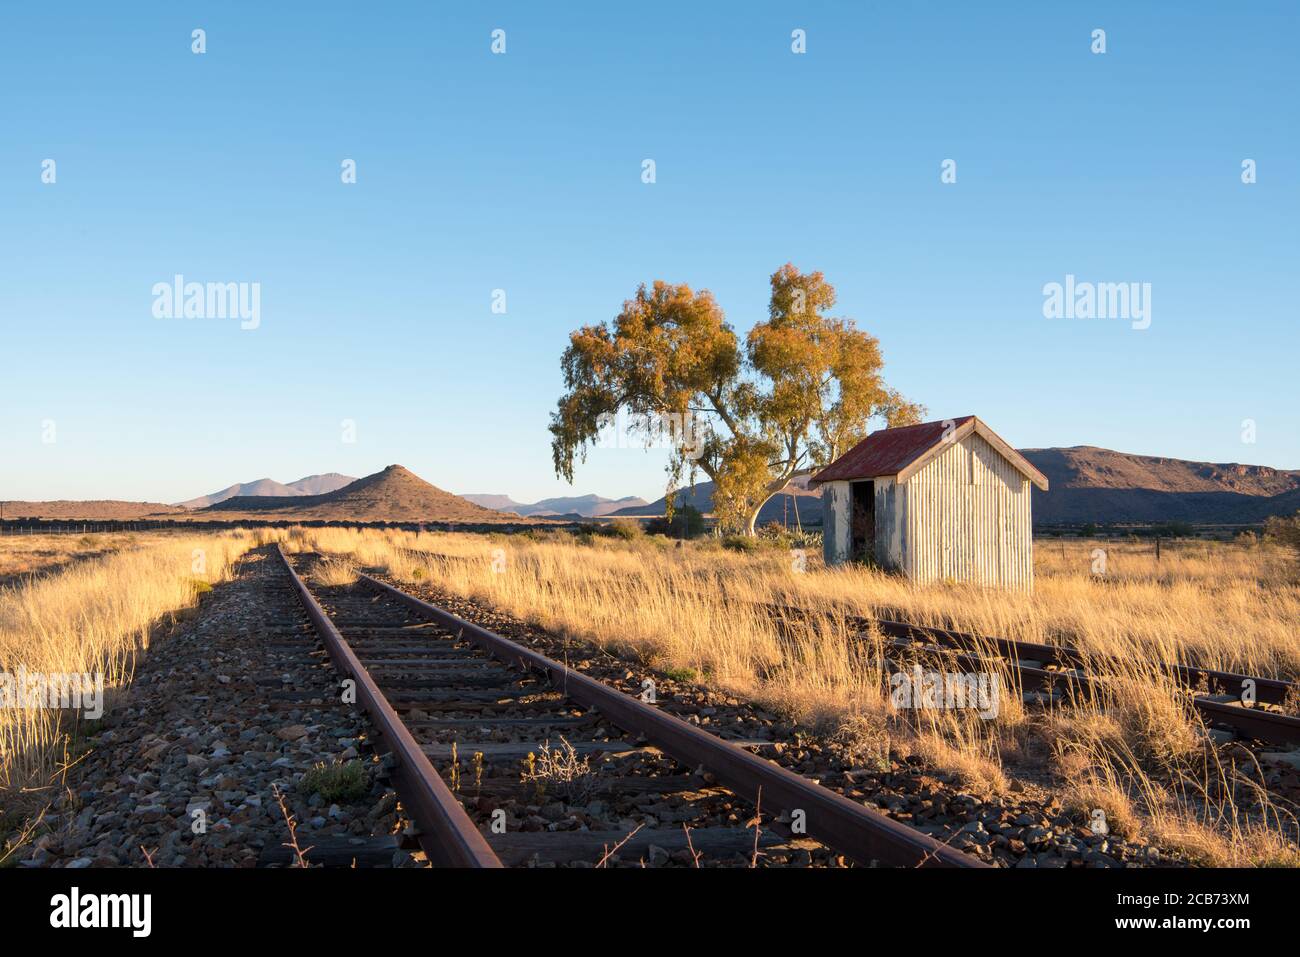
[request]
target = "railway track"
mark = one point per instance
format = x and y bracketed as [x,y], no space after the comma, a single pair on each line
[1062,671]
[514,732]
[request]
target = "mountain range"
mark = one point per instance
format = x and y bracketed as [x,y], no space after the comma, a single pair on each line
[1089,484]
[394,495]
[585,506]
[795,505]
[309,485]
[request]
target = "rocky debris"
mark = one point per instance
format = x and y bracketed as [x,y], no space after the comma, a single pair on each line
[240,701]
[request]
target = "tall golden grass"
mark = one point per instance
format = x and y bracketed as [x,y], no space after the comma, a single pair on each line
[1138,751]
[94,617]
[27,554]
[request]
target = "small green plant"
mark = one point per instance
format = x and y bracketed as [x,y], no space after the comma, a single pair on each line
[681,674]
[200,586]
[339,781]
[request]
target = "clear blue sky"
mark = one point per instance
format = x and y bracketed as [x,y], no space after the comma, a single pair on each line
[523,172]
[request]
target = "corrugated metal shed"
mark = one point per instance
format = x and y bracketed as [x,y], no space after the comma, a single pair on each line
[941,501]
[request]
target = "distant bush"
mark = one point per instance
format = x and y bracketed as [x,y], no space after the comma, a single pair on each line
[740,543]
[687,522]
[624,528]
[1174,530]
[1284,531]
[779,536]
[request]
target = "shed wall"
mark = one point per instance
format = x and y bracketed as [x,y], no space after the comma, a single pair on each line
[889,525]
[966,517]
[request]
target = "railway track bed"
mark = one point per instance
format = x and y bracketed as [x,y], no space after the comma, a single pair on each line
[247,698]
[544,779]
[1019,830]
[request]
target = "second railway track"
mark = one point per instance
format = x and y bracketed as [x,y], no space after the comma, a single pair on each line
[1253,707]
[516,732]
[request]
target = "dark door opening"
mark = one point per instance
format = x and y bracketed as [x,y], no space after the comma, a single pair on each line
[862,521]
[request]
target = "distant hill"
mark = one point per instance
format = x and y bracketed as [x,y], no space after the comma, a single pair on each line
[501,503]
[796,505]
[393,495]
[322,484]
[583,506]
[1089,484]
[310,485]
[102,510]
[264,486]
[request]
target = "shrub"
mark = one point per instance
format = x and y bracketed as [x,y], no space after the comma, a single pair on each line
[340,781]
[571,776]
[624,528]
[687,522]
[681,674]
[740,543]
[1284,531]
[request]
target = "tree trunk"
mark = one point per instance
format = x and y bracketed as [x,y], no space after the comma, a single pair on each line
[751,529]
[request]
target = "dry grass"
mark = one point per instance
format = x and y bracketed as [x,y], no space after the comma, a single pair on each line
[1138,752]
[332,572]
[24,555]
[93,617]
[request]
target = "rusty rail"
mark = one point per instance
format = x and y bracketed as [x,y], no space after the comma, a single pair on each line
[447,835]
[1267,726]
[1267,690]
[863,834]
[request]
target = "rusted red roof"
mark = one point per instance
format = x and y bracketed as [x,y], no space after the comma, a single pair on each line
[900,452]
[888,451]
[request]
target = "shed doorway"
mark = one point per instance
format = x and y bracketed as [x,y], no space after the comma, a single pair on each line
[862,521]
